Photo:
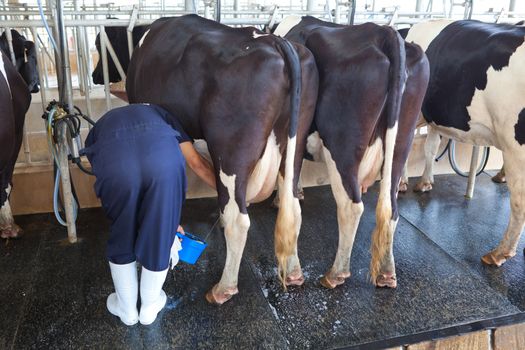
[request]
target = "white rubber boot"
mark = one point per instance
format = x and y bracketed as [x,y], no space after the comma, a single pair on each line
[152,296]
[123,303]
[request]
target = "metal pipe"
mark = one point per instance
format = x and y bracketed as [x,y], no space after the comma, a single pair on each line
[472,172]
[41,71]
[512,5]
[67,194]
[66,93]
[105,70]
[113,55]
[9,36]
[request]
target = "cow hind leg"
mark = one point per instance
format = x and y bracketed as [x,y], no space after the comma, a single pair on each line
[516,182]
[348,217]
[431,149]
[236,225]
[403,182]
[8,228]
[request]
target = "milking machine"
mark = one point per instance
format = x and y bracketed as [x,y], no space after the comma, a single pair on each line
[64,141]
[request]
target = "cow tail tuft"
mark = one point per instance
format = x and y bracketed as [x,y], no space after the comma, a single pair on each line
[382,235]
[285,235]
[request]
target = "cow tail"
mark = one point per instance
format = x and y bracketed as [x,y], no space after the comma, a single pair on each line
[285,235]
[382,236]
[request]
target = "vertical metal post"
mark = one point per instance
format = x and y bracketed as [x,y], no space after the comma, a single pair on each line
[188,6]
[67,194]
[9,36]
[351,18]
[512,6]
[310,5]
[472,172]
[66,96]
[40,66]
[105,70]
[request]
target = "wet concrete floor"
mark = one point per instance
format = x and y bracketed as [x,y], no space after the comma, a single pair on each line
[53,294]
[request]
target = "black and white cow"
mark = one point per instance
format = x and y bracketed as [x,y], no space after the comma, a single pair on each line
[118,37]
[371,85]
[476,95]
[26,58]
[251,96]
[14,103]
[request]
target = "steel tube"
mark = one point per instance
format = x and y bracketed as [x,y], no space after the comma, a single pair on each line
[472,172]
[105,70]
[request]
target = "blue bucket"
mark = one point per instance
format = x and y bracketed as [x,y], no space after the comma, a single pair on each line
[192,247]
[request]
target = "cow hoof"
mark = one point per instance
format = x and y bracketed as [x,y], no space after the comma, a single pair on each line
[493,259]
[387,280]
[331,281]
[296,278]
[11,231]
[499,178]
[300,195]
[423,187]
[403,187]
[275,203]
[219,298]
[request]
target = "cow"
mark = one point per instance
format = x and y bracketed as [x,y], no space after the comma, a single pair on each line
[251,96]
[371,86]
[475,95]
[118,38]
[25,56]
[14,103]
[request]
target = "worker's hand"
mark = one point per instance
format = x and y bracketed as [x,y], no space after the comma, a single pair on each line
[181,231]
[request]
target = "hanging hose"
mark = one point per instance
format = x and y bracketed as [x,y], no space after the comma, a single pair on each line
[55,116]
[41,10]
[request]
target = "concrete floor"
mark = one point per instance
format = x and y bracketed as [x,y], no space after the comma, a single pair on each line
[53,294]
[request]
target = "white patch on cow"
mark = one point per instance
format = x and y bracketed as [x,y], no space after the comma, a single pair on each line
[494,111]
[286,25]
[370,165]
[314,146]
[258,35]
[236,225]
[262,179]
[143,37]
[4,73]
[348,215]
[6,215]
[424,32]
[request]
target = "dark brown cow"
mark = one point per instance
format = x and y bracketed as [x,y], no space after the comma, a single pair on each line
[371,86]
[14,103]
[241,91]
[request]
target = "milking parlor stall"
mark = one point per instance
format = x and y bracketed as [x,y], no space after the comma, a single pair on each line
[363,187]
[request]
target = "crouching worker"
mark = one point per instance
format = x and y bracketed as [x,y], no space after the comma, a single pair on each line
[138,155]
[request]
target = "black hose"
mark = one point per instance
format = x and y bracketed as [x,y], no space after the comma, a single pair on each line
[78,162]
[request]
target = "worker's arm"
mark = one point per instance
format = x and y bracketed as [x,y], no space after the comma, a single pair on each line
[198,164]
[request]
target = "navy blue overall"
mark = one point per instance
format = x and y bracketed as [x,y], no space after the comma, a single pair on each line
[141,181]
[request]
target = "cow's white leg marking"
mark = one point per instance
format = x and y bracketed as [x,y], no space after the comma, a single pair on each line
[506,249]
[387,272]
[431,149]
[8,228]
[383,234]
[262,180]
[288,223]
[4,73]
[348,217]
[236,225]
[143,37]
[286,25]
[403,182]
[294,274]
